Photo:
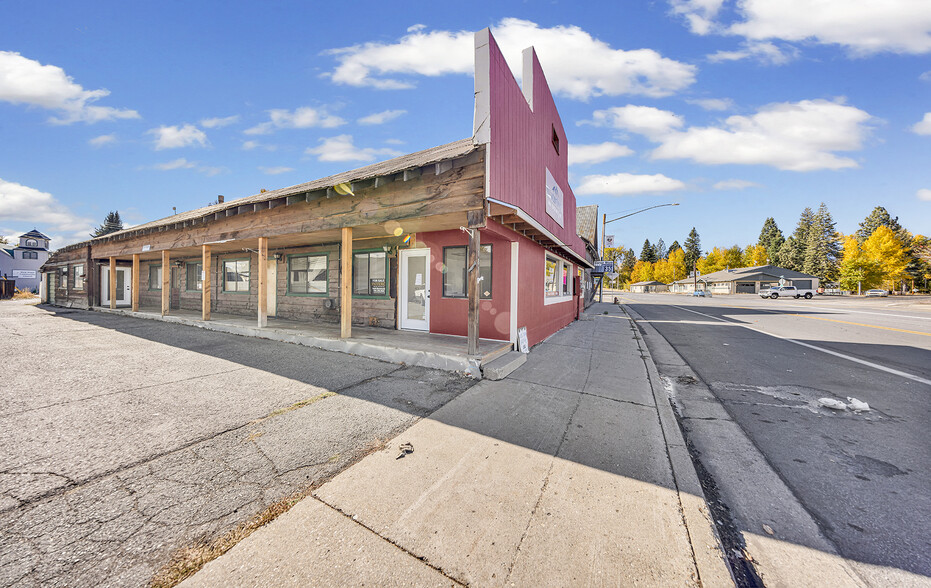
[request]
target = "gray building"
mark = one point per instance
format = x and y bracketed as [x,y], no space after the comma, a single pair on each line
[648,286]
[21,263]
[746,280]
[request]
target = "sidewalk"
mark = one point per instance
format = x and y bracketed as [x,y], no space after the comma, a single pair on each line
[570,471]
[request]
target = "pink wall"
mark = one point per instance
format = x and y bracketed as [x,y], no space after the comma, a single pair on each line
[521,149]
[449,315]
[541,320]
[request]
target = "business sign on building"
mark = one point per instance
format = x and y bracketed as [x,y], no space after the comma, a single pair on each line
[554,201]
[604,266]
[24,274]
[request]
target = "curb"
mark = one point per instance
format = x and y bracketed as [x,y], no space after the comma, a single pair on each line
[707,548]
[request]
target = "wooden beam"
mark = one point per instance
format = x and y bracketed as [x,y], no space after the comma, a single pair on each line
[443,166]
[205,284]
[345,285]
[166,282]
[472,289]
[263,282]
[383,181]
[412,174]
[112,283]
[135,284]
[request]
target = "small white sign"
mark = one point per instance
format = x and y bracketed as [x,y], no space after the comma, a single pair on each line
[522,345]
[146,248]
[24,274]
[203,275]
[418,279]
[609,240]
[554,199]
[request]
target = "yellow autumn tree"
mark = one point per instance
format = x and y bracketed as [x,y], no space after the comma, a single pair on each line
[662,272]
[884,248]
[712,262]
[857,272]
[677,267]
[642,272]
[756,255]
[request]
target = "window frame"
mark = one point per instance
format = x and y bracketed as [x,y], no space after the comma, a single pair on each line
[326,265]
[32,243]
[157,287]
[223,263]
[187,280]
[387,294]
[74,274]
[562,275]
[30,255]
[555,139]
[465,248]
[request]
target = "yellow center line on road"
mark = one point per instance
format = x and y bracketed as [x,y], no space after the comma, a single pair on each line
[818,318]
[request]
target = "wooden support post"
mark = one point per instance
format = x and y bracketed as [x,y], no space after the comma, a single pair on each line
[166,282]
[473,289]
[345,285]
[205,284]
[112,283]
[263,282]
[135,282]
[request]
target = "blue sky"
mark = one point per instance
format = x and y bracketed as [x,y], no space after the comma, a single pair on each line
[736,110]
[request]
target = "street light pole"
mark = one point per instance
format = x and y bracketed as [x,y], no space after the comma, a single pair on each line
[605,222]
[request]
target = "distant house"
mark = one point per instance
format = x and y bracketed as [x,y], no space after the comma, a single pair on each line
[22,263]
[649,286]
[745,280]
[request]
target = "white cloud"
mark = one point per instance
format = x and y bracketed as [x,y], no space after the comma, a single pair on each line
[923,127]
[173,137]
[274,171]
[250,145]
[713,103]
[796,136]
[863,27]
[577,65]
[926,76]
[643,120]
[734,185]
[216,123]
[31,207]
[924,194]
[102,140]
[341,148]
[581,154]
[25,81]
[762,51]
[624,184]
[302,118]
[180,163]
[379,118]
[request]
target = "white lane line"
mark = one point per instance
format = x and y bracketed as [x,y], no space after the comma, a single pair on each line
[877,366]
[815,310]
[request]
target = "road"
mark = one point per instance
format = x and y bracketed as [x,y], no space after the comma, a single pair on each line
[865,478]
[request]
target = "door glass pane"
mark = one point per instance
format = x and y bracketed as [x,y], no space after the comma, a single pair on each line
[417,288]
[120,284]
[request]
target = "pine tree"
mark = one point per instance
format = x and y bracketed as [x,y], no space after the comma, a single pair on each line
[111,224]
[793,256]
[675,246]
[661,251]
[771,238]
[648,253]
[822,250]
[692,249]
[627,262]
[879,217]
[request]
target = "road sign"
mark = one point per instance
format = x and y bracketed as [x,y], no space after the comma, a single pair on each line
[613,275]
[609,240]
[603,266]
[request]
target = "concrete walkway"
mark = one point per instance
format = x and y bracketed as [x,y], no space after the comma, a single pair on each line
[570,471]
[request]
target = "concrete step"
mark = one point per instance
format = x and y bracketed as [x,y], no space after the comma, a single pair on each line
[504,365]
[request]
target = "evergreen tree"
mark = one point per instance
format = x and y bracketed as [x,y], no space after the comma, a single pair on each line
[648,253]
[627,262]
[692,249]
[111,224]
[675,246]
[771,238]
[793,257]
[822,250]
[879,217]
[661,251]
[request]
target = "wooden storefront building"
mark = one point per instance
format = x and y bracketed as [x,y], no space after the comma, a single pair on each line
[474,238]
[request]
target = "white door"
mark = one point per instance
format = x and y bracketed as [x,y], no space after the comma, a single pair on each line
[414,289]
[124,295]
[271,280]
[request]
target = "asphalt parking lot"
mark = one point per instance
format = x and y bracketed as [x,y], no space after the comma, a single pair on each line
[125,440]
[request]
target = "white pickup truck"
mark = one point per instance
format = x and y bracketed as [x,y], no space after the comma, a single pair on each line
[786,292]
